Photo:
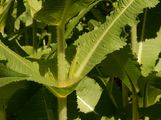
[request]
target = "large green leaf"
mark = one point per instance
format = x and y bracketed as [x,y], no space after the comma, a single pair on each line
[56,11]
[95,45]
[23,66]
[122,64]
[149,53]
[87,100]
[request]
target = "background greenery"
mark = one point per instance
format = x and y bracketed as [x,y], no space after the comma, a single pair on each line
[120,81]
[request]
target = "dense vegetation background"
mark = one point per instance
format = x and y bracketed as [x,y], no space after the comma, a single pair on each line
[120,80]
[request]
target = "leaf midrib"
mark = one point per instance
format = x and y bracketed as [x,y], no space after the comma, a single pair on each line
[82,66]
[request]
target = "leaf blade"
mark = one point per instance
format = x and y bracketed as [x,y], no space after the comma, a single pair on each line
[93,46]
[150,50]
[23,66]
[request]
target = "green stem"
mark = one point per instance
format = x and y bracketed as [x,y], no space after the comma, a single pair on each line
[26,36]
[135,113]
[62,109]
[134,42]
[145,96]
[61,53]
[34,36]
[124,96]
[3,111]
[144,25]
[109,90]
[62,102]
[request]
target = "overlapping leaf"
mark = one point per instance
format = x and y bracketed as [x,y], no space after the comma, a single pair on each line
[23,66]
[56,11]
[7,76]
[121,64]
[87,100]
[93,46]
[149,53]
[149,89]
[73,22]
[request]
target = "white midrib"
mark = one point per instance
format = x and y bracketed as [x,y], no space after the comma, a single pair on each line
[85,103]
[82,66]
[140,52]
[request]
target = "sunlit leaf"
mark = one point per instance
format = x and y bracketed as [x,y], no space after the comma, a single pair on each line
[93,47]
[88,94]
[21,65]
[149,53]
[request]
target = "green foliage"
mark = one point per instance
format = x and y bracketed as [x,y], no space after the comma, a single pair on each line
[93,46]
[99,55]
[122,64]
[148,61]
[5,6]
[21,65]
[85,97]
[60,11]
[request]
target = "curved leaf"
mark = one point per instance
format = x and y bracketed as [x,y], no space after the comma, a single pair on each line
[150,89]
[23,66]
[121,64]
[7,76]
[85,97]
[93,46]
[149,53]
